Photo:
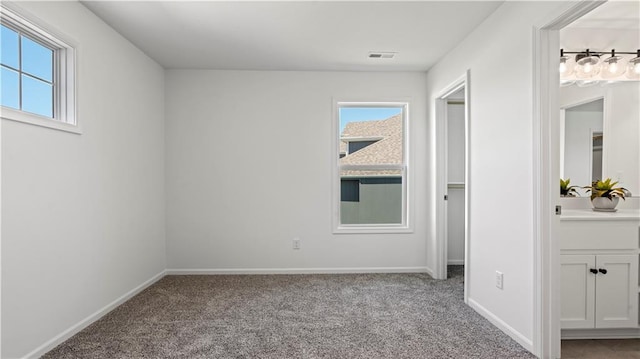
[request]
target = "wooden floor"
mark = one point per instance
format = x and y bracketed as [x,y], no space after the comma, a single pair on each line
[601,349]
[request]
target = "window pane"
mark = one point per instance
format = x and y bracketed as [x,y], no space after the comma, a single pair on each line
[9,48]
[10,95]
[371,135]
[37,60]
[37,96]
[379,200]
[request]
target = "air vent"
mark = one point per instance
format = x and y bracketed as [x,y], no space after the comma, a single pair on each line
[382,55]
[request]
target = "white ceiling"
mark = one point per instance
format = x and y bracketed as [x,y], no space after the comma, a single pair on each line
[613,25]
[307,35]
[614,14]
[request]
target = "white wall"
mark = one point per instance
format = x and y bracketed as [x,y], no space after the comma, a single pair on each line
[83,215]
[249,168]
[499,56]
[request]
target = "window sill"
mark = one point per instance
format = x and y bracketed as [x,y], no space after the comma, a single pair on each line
[373,230]
[32,119]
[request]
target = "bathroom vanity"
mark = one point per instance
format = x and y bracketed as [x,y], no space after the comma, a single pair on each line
[599,254]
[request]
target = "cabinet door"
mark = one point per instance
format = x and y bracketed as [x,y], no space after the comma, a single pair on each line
[617,291]
[577,308]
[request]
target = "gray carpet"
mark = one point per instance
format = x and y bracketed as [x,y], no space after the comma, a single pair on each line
[294,316]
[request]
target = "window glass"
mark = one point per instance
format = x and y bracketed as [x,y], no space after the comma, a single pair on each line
[37,60]
[371,165]
[37,96]
[10,95]
[9,47]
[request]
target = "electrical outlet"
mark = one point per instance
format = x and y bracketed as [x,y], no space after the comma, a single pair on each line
[296,243]
[499,280]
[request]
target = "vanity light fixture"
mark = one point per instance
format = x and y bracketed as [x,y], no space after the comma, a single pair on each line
[613,66]
[587,65]
[566,64]
[592,66]
[633,68]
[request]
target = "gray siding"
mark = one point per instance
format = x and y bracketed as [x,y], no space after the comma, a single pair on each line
[379,203]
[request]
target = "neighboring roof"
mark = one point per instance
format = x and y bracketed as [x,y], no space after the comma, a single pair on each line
[343,147]
[386,151]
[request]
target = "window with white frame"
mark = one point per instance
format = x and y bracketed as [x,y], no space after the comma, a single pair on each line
[371,167]
[36,74]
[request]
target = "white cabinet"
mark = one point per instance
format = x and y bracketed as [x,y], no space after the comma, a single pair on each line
[578,291]
[599,291]
[599,274]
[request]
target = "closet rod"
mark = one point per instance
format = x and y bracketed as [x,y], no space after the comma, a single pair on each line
[455,185]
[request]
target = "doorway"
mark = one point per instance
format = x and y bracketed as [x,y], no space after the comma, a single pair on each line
[455,117]
[452,180]
[547,136]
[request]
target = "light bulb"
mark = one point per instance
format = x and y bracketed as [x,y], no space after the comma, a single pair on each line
[613,67]
[587,68]
[563,66]
[633,69]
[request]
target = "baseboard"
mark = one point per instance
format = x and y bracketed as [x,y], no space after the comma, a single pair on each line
[60,338]
[506,328]
[455,262]
[222,271]
[614,333]
[429,271]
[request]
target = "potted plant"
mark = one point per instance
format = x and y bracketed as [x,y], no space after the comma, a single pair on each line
[604,195]
[566,190]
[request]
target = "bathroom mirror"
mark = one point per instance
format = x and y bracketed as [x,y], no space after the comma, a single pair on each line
[600,134]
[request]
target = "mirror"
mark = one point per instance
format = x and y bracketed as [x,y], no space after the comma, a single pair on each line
[600,134]
[582,143]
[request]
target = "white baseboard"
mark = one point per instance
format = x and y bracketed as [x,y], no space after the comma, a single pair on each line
[429,271]
[506,328]
[222,271]
[614,333]
[455,262]
[57,340]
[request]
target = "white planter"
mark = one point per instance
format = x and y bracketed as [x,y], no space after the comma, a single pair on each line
[604,203]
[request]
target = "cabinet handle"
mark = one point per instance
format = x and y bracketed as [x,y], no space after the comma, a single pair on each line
[593,270]
[602,270]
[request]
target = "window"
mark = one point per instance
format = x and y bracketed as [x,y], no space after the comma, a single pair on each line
[371,167]
[36,74]
[349,190]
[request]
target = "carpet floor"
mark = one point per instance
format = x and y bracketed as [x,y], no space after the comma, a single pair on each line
[295,316]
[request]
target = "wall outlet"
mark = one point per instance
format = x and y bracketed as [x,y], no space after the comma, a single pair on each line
[296,243]
[499,280]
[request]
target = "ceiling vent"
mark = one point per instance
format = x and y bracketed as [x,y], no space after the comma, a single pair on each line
[382,55]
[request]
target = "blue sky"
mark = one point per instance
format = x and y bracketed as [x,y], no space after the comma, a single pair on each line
[357,114]
[34,85]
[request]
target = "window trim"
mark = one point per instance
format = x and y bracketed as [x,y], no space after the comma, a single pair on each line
[64,71]
[406,224]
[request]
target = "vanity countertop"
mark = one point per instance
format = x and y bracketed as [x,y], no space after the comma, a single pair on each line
[591,215]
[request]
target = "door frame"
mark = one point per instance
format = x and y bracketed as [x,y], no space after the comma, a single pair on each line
[463,82]
[546,171]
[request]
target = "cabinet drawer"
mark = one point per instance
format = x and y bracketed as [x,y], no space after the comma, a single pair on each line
[599,235]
